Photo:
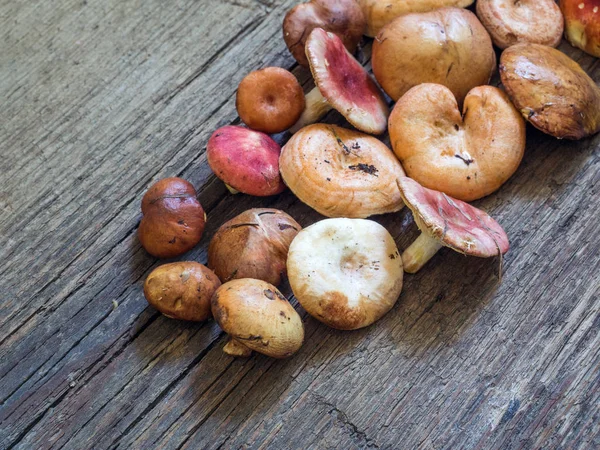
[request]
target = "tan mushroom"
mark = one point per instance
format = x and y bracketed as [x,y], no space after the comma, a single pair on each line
[256,316]
[347,273]
[341,173]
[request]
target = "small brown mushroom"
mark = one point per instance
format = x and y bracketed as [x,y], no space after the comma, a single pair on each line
[448,46]
[246,160]
[270,100]
[182,290]
[347,273]
[342,17]
[511,22]
[582,24]
[446,221]
[256,316]
[341,173]
[253,244]
[551,91]
[467,156]
[173,219]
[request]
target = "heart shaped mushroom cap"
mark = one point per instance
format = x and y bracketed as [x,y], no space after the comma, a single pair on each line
[341,173]
[466,156]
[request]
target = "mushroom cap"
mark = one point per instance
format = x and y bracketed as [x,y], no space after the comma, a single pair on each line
[510,22]
[340,172]
[173,219]
[253,244]
[256,314]
[454,223]
[347,273]
[270,100]
[448,46]
[582,24]
[345,83]
[466,156]
[246,160]
[379,13]
[551,90]
[342,17]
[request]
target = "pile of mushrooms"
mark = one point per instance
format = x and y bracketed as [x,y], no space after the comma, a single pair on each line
[455,139]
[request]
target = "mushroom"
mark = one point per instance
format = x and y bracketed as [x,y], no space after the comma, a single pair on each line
[256,316]
[582,18]
[253,244]
[551,91]
[172,218]
[341,173]
[466,156]
[379,13]
[342,17]
[270,100]
[343,84]
[448,46]
[511,22]
[347,273]
[446,221]
[246,160]
[182,290]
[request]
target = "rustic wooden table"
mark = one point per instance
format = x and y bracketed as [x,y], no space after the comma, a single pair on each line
[99,100]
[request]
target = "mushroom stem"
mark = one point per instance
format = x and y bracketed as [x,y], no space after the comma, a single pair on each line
[236,348]
[419,252]
[316,107]
[232,190]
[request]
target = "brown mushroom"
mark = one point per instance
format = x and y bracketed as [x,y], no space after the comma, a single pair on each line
[379,13]
[448,46]
[551,91]
[449,222]
[173,219]
[466,156]
[343,84]
[511,22]
[347,273]
[341,173]
[246,160]
[270,100]
[582,24]
[182,290]
[342,17]
[253,244]
[256,316]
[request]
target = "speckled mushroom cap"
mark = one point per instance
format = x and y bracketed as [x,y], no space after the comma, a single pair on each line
[582,24]
[340,172]
[454,223]
[467,156]
[347,273]
[511,22]
[345,83]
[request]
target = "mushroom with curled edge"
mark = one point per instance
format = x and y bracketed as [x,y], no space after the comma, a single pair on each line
[246,160]
[582,24]
[467,156]
[445,221]
[344,18]
[256,316]
[346,273]
[340,172]
[342,84]
[511,22]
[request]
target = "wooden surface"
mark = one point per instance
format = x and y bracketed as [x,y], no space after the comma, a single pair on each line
[101,99]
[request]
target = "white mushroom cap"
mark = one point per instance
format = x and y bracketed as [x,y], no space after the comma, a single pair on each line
[347,273]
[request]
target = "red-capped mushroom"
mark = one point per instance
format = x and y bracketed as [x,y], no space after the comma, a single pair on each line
[582,24]
[246,160]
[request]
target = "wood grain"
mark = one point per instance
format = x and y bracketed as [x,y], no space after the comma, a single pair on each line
[101,99]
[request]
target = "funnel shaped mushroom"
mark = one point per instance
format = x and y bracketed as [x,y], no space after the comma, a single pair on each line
[347,273]
[551,91]
[257,317]
[247,161]
[343,84]
[467,156]
[341,173]
[582,24]
[445,221]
